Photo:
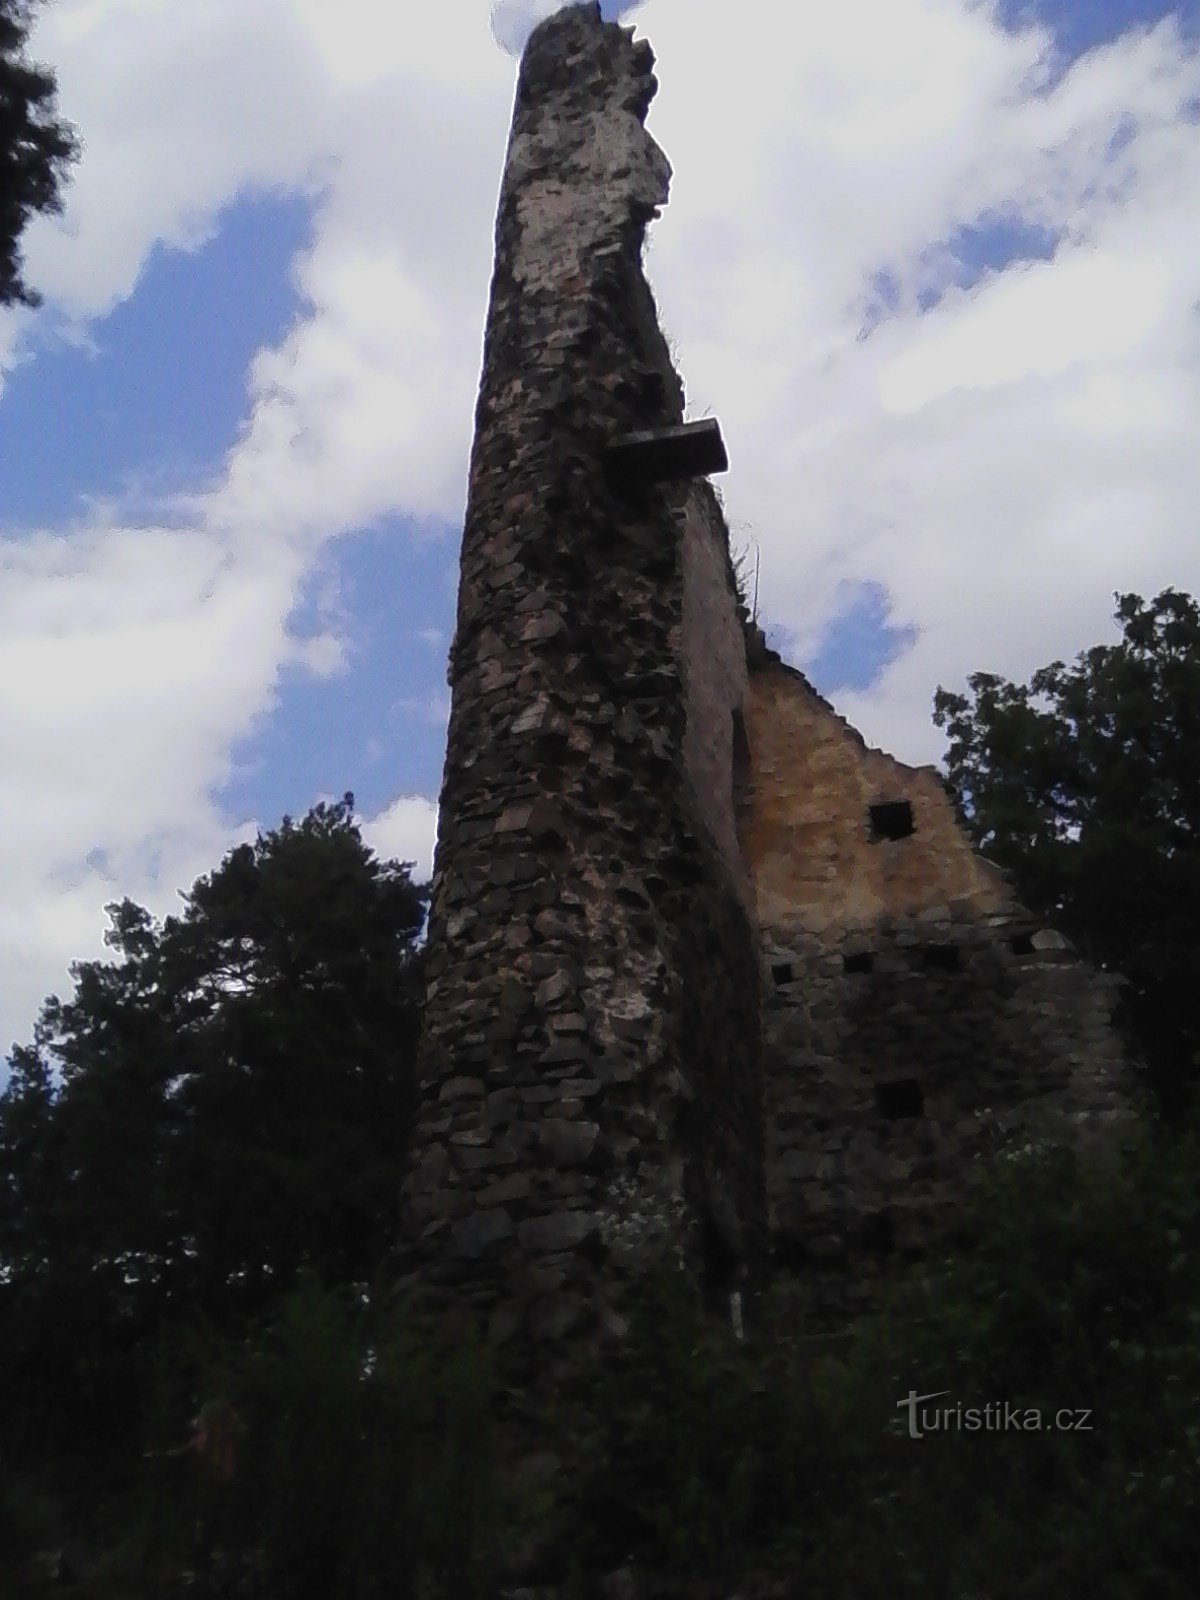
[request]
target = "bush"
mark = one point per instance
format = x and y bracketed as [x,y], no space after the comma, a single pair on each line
[1074,1289]
[336,1453]
[339,1450]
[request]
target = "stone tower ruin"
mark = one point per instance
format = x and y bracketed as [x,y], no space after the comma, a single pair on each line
[708,979]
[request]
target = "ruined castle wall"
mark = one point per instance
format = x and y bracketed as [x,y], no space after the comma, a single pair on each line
[719,951]
[816,859]
[891,1085]
[573,1122]
[918,1021]
[716,679]
[693,946]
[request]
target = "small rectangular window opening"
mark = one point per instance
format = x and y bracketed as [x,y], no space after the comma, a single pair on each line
[900,1097]
[1021,944]
[860,961]
[943,957]
[783,972]
[892,819]
[879,1233]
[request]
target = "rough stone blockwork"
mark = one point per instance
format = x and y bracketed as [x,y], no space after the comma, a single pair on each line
[918,1022]
[692,943]
[590,1076]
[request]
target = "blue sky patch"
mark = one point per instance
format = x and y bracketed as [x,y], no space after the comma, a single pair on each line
[859,642]
[157,401]
[989,244]
[378,728]
[162,399]
[1081,25]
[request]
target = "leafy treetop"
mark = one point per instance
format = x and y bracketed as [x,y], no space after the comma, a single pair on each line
[1085,784]
[36,148]
[219,1110]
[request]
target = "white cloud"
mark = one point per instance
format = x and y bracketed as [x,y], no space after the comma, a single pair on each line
[130,661]
[180,109]
[1006,457]
[136,658]
[405,831]
[1085,308]
[1000,453]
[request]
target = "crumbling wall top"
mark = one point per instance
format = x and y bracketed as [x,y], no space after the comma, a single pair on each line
[843,834]
[576,54]
[583,177]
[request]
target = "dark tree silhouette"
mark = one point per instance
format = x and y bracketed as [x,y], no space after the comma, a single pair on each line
[36,148]
[218,1112]
[1085,783]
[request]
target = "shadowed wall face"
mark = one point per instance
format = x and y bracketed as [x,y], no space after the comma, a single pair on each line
[589,1077]
[917,1021]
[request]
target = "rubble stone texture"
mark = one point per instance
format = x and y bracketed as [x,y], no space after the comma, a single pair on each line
[675,966]
[591,1078]
[918,1022]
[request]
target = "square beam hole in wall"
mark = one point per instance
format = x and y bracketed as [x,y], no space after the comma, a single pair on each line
[900,1097]
[892,819]
[879,1233]
[860,961]
[943,957]
[783,972]
[1021,944]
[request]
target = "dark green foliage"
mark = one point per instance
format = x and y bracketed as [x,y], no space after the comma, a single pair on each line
[36,148]
[1085,783]
[369,1459]
[786,1462]
[362,1462]
[223,1106]
[208,1392]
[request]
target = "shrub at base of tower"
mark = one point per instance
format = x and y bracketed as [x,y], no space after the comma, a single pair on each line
[371,1454]
[698,1466]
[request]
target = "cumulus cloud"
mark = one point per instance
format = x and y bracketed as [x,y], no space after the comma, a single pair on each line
[181,108]
[405,831]
[130,661]
[135,658]
[997,449]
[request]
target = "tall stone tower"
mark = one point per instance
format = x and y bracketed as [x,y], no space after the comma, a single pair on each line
[590,1081]
[707,973]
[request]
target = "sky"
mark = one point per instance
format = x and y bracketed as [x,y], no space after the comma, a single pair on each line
[935,264]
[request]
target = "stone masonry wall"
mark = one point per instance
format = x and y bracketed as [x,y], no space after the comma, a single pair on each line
[700,961]
[917,1020]
[589,1070]
[716,678]
[719,954]
[813,856]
